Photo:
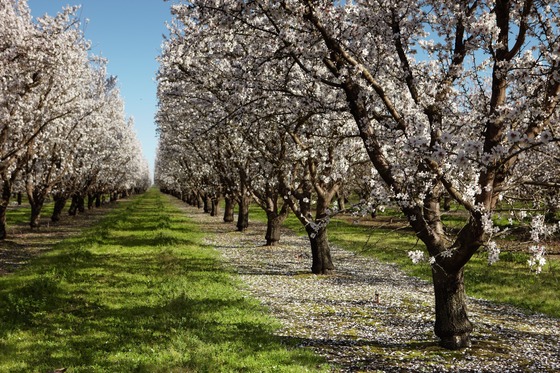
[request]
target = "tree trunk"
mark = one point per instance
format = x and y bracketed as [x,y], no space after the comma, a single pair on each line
[98,200]
[320,251]
[59,203]
[341,199]
[77,205]
[228,210]
[243,215]
[4,203]
[19,198]
[452,325]
[447,203]
[207,202]
[215,210]
[273,225]
[274,222]
[90,201]
[81,203]
[73,206]
[36,203]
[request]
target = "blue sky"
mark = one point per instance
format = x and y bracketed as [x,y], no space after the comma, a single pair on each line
[129,34]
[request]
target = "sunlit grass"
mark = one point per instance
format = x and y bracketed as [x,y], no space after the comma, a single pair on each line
[139,292]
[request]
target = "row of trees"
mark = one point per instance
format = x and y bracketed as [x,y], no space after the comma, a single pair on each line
[295,103]
[64,134]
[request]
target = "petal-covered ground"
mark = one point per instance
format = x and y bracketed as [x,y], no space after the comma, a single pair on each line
[338,315]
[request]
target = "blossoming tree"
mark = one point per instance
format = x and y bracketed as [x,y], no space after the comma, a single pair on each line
[55,112]
[257,122]
[447,96]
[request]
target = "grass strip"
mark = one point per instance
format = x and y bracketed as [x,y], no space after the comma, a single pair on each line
[507,281]
[139,292]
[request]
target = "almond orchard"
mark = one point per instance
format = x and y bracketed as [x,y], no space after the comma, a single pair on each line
[64,134]
[295,102]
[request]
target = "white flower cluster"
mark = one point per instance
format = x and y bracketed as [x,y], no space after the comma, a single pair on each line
[539,231]
[539,228]
[493,252]
[417,256]
[488,224]
[537,260]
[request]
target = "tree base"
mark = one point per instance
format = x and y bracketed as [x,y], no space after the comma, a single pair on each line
[323,271]
[456,342]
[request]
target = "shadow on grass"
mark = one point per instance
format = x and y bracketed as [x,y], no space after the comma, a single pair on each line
[115,325]
[116,301]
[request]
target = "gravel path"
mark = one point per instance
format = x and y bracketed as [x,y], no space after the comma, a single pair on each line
[337,315]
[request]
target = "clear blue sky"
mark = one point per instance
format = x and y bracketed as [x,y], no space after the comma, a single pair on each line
[129,34]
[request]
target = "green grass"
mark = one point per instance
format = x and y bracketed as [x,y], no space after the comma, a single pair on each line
[139,292]
[21,214]
[507,281]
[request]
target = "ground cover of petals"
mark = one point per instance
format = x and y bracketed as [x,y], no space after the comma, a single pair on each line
[338,316]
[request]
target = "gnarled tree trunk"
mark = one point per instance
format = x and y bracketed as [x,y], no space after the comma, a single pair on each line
[59,203]
[207,203]
[4,203]
[90,201]
[215,209]
[229,210]
[320,251]
[77,204]
[452,324]
[243,214]
[274,222]
[36,202]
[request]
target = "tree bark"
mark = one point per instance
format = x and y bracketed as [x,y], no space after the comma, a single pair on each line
[215,209]
[4,203]
[36,202]
[229,210]
[243,215]
[452,325]
[207,203]
[274,222]
[73,209]
[59,203]
[77,205]
[341,199]
[447,203]
[320,251]
[90,201]
[81,203]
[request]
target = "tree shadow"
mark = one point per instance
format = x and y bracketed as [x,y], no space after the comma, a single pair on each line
[92,310]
